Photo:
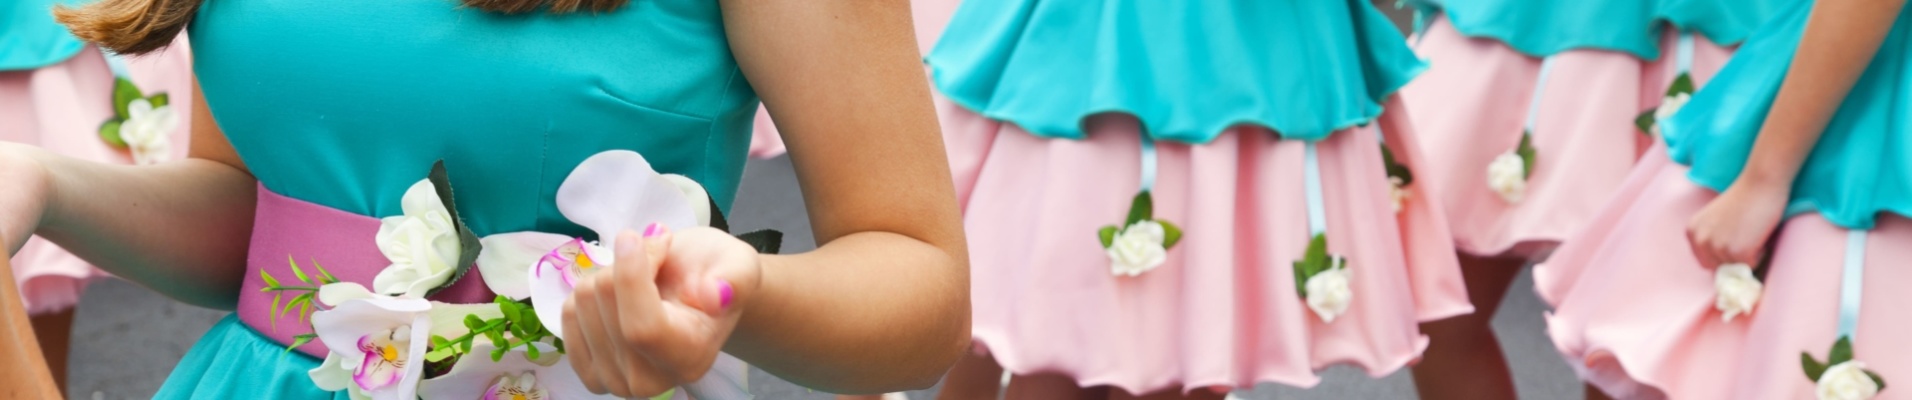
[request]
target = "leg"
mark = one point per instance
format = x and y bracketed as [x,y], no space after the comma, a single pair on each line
[1594,393]
[975,377]
[1170,394]
[1051,387]
[26,375]
[55,330]
[1463,359]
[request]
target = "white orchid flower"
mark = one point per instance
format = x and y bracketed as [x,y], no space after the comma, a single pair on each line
[381,339]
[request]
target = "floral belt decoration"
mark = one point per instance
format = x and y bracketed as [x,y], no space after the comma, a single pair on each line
[390,342]
[141,124]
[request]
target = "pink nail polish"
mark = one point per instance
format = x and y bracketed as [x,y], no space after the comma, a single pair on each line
[725,294]
[653,229]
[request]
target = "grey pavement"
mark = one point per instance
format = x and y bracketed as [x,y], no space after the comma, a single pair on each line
[127,338]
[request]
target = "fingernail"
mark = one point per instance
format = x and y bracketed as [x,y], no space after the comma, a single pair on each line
[654,229]
[725,294]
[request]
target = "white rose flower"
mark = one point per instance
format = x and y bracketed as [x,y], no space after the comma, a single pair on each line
[1397,193]
[422,245]
[1847,381]
[1736,291]
[1507,176]
[148,131]
[1328,291]
[1668,106]
[1137,249]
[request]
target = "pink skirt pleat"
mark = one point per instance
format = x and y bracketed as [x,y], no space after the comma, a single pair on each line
[1640,323]
[1223,311]
[1471,106]
[60,108]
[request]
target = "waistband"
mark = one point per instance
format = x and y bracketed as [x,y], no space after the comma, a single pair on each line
[286,231]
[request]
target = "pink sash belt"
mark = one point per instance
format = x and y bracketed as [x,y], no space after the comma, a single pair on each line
[286,230]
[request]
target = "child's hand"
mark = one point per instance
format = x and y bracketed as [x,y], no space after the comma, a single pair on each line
[657,318]
[1733,228]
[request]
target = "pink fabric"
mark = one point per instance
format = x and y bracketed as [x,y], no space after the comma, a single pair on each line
[1470,107]
[285,229]
[930,17]
[1223,311]
[60,108]
[1643,324]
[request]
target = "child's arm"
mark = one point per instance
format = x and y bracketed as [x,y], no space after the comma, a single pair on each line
[180,228]
[1840,40]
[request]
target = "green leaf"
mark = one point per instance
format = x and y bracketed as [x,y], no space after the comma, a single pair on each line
[531,350]
[439,354]
[289,305]
[124,92]
[1170,234]
[666,396]
[766,241]
[1812,367]
[267,276]
[1876,379]
[440,342]
[498,353]
[1301,279]
[1107,234]
[1316,257]
[1645,121]
[110,133]
[473,323]
[1142,208]
[1681,84]
[273,312]
[305,309]
[325,277]
[1527,154]
[1841,351]
[533,325]
[497,339]
[468,245]
[465,346]
[1394,168]
[158,99]
[558,343]
[300,340]
[298,272]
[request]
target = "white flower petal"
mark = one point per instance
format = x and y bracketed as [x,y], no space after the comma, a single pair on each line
[138,109]
[504,257]
[1736,290]
[548,294]
[1329,293]
[332,295]
[421,199]
[1846,381]
[617,190]
[695,195]
[332,374]
[341,327]
[1137,248]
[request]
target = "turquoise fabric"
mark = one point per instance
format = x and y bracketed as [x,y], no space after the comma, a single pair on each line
[1544,28]
[347,104]
[1862,164]
[30,39]
[232,361]
[1187,69]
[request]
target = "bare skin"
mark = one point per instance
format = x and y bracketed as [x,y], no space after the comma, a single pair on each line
[27,376]
[1840,40]
[55,332]
[1463,359]
[881,305]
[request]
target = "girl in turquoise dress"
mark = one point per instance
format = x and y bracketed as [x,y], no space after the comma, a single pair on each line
[319,116]
[1758,252]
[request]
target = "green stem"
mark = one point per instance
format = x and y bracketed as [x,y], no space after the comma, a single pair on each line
[290,288]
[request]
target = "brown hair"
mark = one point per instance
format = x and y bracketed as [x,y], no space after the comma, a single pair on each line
[141,26]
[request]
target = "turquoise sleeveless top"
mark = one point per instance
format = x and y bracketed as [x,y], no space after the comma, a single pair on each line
[30,39]
[1544,28]
[347,105]
[1187,69]
[1862,164]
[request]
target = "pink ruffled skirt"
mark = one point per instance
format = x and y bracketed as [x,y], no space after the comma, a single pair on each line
[60,107]
[1224,310]
[1634,310]
[1472,103]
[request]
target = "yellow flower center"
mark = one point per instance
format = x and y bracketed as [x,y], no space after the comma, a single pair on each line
[389,352]
[584,261]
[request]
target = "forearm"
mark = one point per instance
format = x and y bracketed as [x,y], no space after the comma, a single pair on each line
[859,314]
[26,370]
[180,228]
[1840,40]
